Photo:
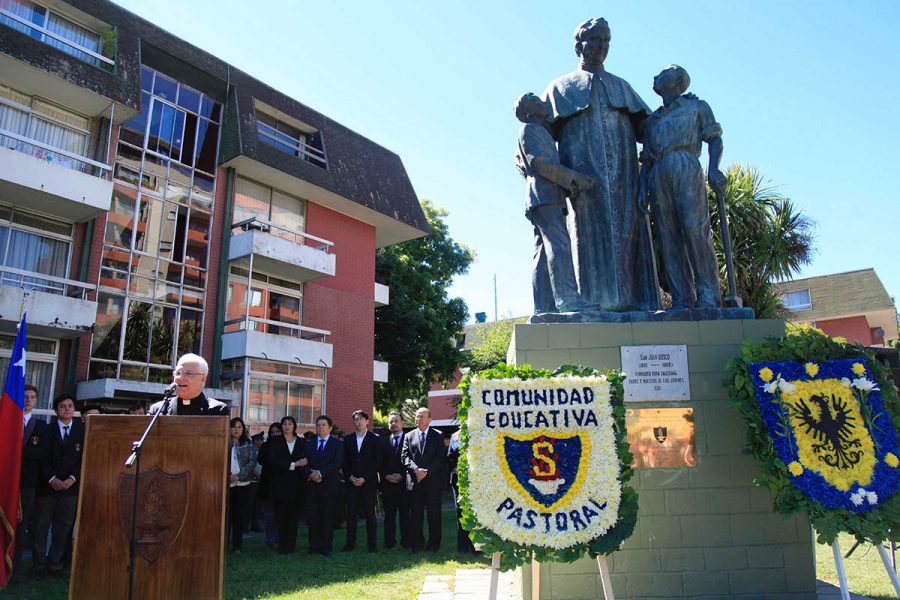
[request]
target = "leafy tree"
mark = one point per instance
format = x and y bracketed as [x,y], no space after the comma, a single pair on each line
[491,350]
[770,239]
[416,332]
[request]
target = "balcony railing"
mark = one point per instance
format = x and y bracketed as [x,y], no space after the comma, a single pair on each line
[99,58]
[53,155]
[48,284]
[298,147]
[298,237]
[278,328]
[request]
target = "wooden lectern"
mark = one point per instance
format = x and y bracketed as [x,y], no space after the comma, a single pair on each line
[181,509]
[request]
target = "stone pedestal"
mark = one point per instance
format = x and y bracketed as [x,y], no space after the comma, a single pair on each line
[702,532]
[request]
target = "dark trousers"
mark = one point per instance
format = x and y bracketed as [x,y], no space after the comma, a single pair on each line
[361,500]
[463,542]
[23,529]
[321,505]
[238,506]
[287,515]
[424,498]
[395,498]
[52,514]
[269,522]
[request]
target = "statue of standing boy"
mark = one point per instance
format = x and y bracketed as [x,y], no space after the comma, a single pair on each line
[673,138]
[548,183]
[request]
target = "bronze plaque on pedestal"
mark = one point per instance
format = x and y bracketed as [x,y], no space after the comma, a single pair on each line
[661,438]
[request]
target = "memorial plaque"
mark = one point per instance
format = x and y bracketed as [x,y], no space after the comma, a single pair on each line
[661,438]
[655,373]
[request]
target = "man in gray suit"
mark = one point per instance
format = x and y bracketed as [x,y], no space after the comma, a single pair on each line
[424,456]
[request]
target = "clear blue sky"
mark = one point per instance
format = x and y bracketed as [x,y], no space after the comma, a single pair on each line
[806,92]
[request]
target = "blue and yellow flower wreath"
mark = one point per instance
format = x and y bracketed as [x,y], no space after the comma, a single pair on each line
[762,374]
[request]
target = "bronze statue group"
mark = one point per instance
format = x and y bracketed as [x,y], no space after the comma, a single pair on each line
[589,192]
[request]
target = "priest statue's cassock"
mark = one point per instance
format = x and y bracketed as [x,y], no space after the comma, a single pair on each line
[597,119]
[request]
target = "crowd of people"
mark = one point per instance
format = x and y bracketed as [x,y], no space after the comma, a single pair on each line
[275,480]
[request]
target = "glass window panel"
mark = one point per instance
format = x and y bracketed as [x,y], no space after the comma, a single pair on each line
[192,298]
[307,372]
[128,164]
[112,279]
[133,129]
[162,126]
[4,235]
[285,309]
[41,222]
[151,215]
[202,190]
[39,254]
[207,142]
[137,331]
[250,200]
[171,293]
[295,286]
[178,188]
[195,277]
[304,402]
[189,331]
[160,375]
[210,109]
[190,139]
[102,370]
[165,87]
[288,212]
[162,335]
[156,171]
[133,373]
[173,234]
[142,286]
[189,99]
[142,264]
[5,213]
[146,79]
[170,271]
[105,341]
[197,240]
[177,136]
[116,259]
[120,218]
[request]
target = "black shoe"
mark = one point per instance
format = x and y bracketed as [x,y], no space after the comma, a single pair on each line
[348,548]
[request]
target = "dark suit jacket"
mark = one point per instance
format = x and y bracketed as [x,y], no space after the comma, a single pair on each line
[432,457]
[62,459]
[391,460]
[286,485]
[363,462]
[328,463]
[33,452]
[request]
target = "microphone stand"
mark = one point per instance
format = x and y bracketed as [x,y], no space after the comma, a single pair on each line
[135,460]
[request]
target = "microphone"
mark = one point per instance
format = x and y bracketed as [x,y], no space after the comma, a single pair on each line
[170,391]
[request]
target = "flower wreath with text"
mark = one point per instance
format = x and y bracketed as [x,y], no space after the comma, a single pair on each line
[821,418]
[543,463]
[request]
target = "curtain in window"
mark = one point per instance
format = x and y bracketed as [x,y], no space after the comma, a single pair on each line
[24,9]
[38,254]
[40,375]
[57,136]
[74,33]
[14,120]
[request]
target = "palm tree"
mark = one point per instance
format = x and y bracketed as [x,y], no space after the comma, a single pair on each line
[770,238]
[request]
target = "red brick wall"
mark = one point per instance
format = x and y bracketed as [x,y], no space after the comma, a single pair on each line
[344,305]
[855,329]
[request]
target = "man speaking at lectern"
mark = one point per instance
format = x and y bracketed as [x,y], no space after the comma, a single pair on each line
[189,378]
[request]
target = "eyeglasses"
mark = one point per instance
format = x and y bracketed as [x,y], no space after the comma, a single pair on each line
[180,373]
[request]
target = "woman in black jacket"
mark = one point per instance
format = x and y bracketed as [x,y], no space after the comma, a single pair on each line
[265,487]
[285,457]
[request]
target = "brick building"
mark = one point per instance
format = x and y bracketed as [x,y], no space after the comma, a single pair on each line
[155,200]
[853,305]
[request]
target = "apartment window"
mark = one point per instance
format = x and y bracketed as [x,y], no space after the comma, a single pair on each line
[276,389]
[289,139]
[153,271]
[285,214]
[46,131]
[799,300]
[40,365]
[268,304]
[32,245]
[55,30]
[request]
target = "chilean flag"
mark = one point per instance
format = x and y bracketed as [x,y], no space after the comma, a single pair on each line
[12,407]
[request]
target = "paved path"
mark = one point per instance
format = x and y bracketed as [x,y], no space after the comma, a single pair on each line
[473,584]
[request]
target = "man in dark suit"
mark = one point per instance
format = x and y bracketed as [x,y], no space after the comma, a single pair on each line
[32,454]
[424,456]
[362,453]
[57,489]
[394,494]
[326,457]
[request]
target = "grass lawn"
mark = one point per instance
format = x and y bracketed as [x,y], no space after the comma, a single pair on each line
[264,574]
[864,569]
